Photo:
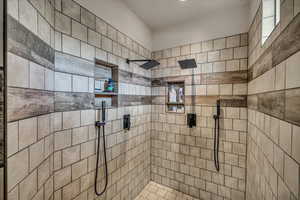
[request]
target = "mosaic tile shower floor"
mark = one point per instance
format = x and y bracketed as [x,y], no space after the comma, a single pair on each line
[155,191]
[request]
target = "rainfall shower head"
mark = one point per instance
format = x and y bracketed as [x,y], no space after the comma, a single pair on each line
[187,64]
[148,64]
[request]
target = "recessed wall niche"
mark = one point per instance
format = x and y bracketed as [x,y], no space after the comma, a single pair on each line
[175,97]
[106,84]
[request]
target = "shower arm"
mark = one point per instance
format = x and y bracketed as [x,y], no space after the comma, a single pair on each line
[143,60]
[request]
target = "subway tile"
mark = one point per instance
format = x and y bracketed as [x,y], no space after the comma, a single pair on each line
[71,9]
[13,8]
[58,41]
[36,154]
[94,38]
[62,139]
[232,65]
[37,76]
[106,44]
[241,52]
[62,177]
[207,45]
[28,187]
[226,54]
[291,174]
[285,136]
[293,71]
[240,89]
[226,89]
[87,117]
[62,23]
[280,76]
[112,33]
[79,135]
[219,44]
[283,192]
[70,155]
[213,56]
[79,31]
[71,191]
[18,71]
[12,138]
[63,82]
[296,7]
[71,45]
[195,48]
[79,169]
[296,143]
[185,50]
[27,132]
[101,26]
[43,30]
[17,166]
[286,13]
[233,41]
[71,119]
[80,83]
[88,18]
[49,80]
[28,16]
[212,90]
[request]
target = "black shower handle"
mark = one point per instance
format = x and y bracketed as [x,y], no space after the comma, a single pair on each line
[103,111]
[218,108]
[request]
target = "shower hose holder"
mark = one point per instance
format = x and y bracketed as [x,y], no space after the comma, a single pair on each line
[99,124]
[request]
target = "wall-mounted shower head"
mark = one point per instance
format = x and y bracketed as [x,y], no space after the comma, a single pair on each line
[148,63]
[187,64]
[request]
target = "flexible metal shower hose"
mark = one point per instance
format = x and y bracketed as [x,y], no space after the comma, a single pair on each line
[97,161]
[217,142]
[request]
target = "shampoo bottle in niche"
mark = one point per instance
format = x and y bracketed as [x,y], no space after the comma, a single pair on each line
[172,95]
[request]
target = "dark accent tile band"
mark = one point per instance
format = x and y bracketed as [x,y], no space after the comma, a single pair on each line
[226,101]
[25,103]
[68,101]
[133,100]
[24,43]
[74,65]
[205,79]
[284,104]
[132,78]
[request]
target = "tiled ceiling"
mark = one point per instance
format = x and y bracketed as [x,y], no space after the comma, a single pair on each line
[159,14]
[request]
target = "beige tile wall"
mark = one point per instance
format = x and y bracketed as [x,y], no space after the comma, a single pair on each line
[52,156]
[272,155]
[182,158]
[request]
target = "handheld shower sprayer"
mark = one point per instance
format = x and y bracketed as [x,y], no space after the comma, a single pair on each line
[101,124]
[217,135]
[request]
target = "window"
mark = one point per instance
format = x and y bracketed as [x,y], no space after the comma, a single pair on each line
[270,17]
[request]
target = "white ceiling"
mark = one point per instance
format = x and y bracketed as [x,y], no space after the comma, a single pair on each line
[159,14]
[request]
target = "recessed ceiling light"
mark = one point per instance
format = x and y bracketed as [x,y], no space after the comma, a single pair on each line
[182,0]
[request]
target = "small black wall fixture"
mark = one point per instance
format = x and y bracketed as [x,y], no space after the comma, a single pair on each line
[191,120]
[126,122]
[148,63]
